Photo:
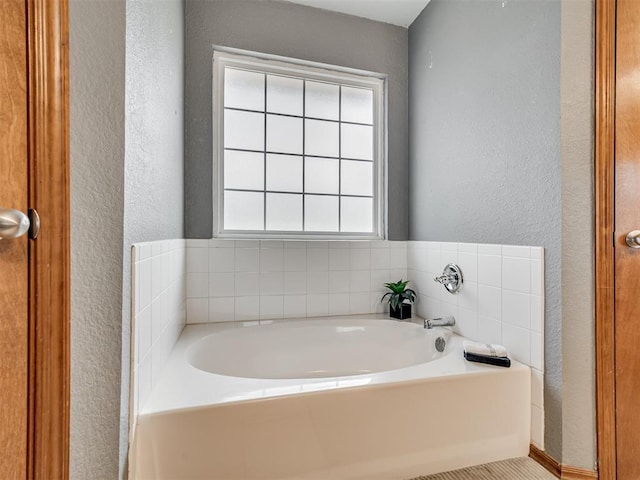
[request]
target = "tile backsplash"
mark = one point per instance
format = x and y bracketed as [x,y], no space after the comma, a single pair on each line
[231,280]
[158,313]
[501,301]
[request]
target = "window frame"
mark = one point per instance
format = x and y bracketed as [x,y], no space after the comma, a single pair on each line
[271,64]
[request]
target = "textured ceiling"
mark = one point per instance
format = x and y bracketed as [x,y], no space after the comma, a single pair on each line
[396,12]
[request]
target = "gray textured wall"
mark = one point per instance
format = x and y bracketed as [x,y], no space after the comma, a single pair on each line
[97,71]
[578,327]
[122,192]
[154,147]
[294,31]
[484,95]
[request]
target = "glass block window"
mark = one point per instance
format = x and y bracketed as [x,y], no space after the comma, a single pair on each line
[299,149]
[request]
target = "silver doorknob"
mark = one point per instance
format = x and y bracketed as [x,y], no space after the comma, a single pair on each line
[633,239]
[13,223]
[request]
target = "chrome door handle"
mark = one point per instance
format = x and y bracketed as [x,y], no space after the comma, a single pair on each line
[13,223]
[633,239]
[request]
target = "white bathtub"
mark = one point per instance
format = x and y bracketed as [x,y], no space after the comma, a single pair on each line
[327,399]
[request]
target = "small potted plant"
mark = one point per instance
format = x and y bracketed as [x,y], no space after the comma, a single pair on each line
[400,299]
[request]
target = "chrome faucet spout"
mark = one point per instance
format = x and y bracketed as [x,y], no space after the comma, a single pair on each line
[449,321]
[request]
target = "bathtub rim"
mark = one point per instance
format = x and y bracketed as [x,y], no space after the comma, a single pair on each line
[177,372]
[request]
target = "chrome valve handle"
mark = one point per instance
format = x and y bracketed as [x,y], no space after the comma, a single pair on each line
[451,278]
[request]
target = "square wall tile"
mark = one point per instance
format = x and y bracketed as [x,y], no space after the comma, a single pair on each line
[222,309]
[468,263]
[338,304]
[490,302]
[221,260]
[516,308]
[377,305]
[143,332]
[360,259]
[416,257]
[271,283]
[433,262]
[537,361]
[222,284]
[295,283]
[537,388]
[489,330]
[468,296]
[429,307]
[295,244]
[380,258]
[489,249]
[247,283]
[295,260]
[537,314]
[359,281]
[516,274]
[317,259]
[247,244]
[490,270]
[318,305]
[359,303]
[397,256]
[537,253]
[198,260]
[198,243]
[317,282]
[518,342]
[271,306]
[467,248]
[295,306]
[448,256]
[339,259]
[247,260]
[537,279]
[378,279]
[516,251]
[467,323]
[339,281]
[157,276]
[221,243]
[198,310]
[197,285]
[247,308]
[271,259]
[144,287]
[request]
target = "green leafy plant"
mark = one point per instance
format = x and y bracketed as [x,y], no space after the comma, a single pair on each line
[398,294]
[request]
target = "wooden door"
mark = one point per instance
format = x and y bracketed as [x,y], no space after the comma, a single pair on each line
[14,288]
[627,259]
[34,274]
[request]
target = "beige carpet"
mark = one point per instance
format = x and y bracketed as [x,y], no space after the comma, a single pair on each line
[513,469]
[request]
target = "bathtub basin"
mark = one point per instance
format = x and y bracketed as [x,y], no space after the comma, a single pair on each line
[327,399]
[357,347]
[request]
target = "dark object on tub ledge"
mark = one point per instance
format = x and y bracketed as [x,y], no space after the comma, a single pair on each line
[402,312]
[498,361]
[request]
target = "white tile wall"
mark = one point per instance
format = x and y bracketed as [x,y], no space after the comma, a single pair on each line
[501,301]
[231,280]
[158,312]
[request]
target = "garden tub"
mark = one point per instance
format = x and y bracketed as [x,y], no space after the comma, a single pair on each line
[330,398]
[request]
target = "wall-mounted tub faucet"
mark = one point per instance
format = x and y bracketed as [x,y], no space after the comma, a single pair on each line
[440,322]
[451,278]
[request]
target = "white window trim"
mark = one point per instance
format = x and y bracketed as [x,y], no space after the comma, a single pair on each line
[230,57]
